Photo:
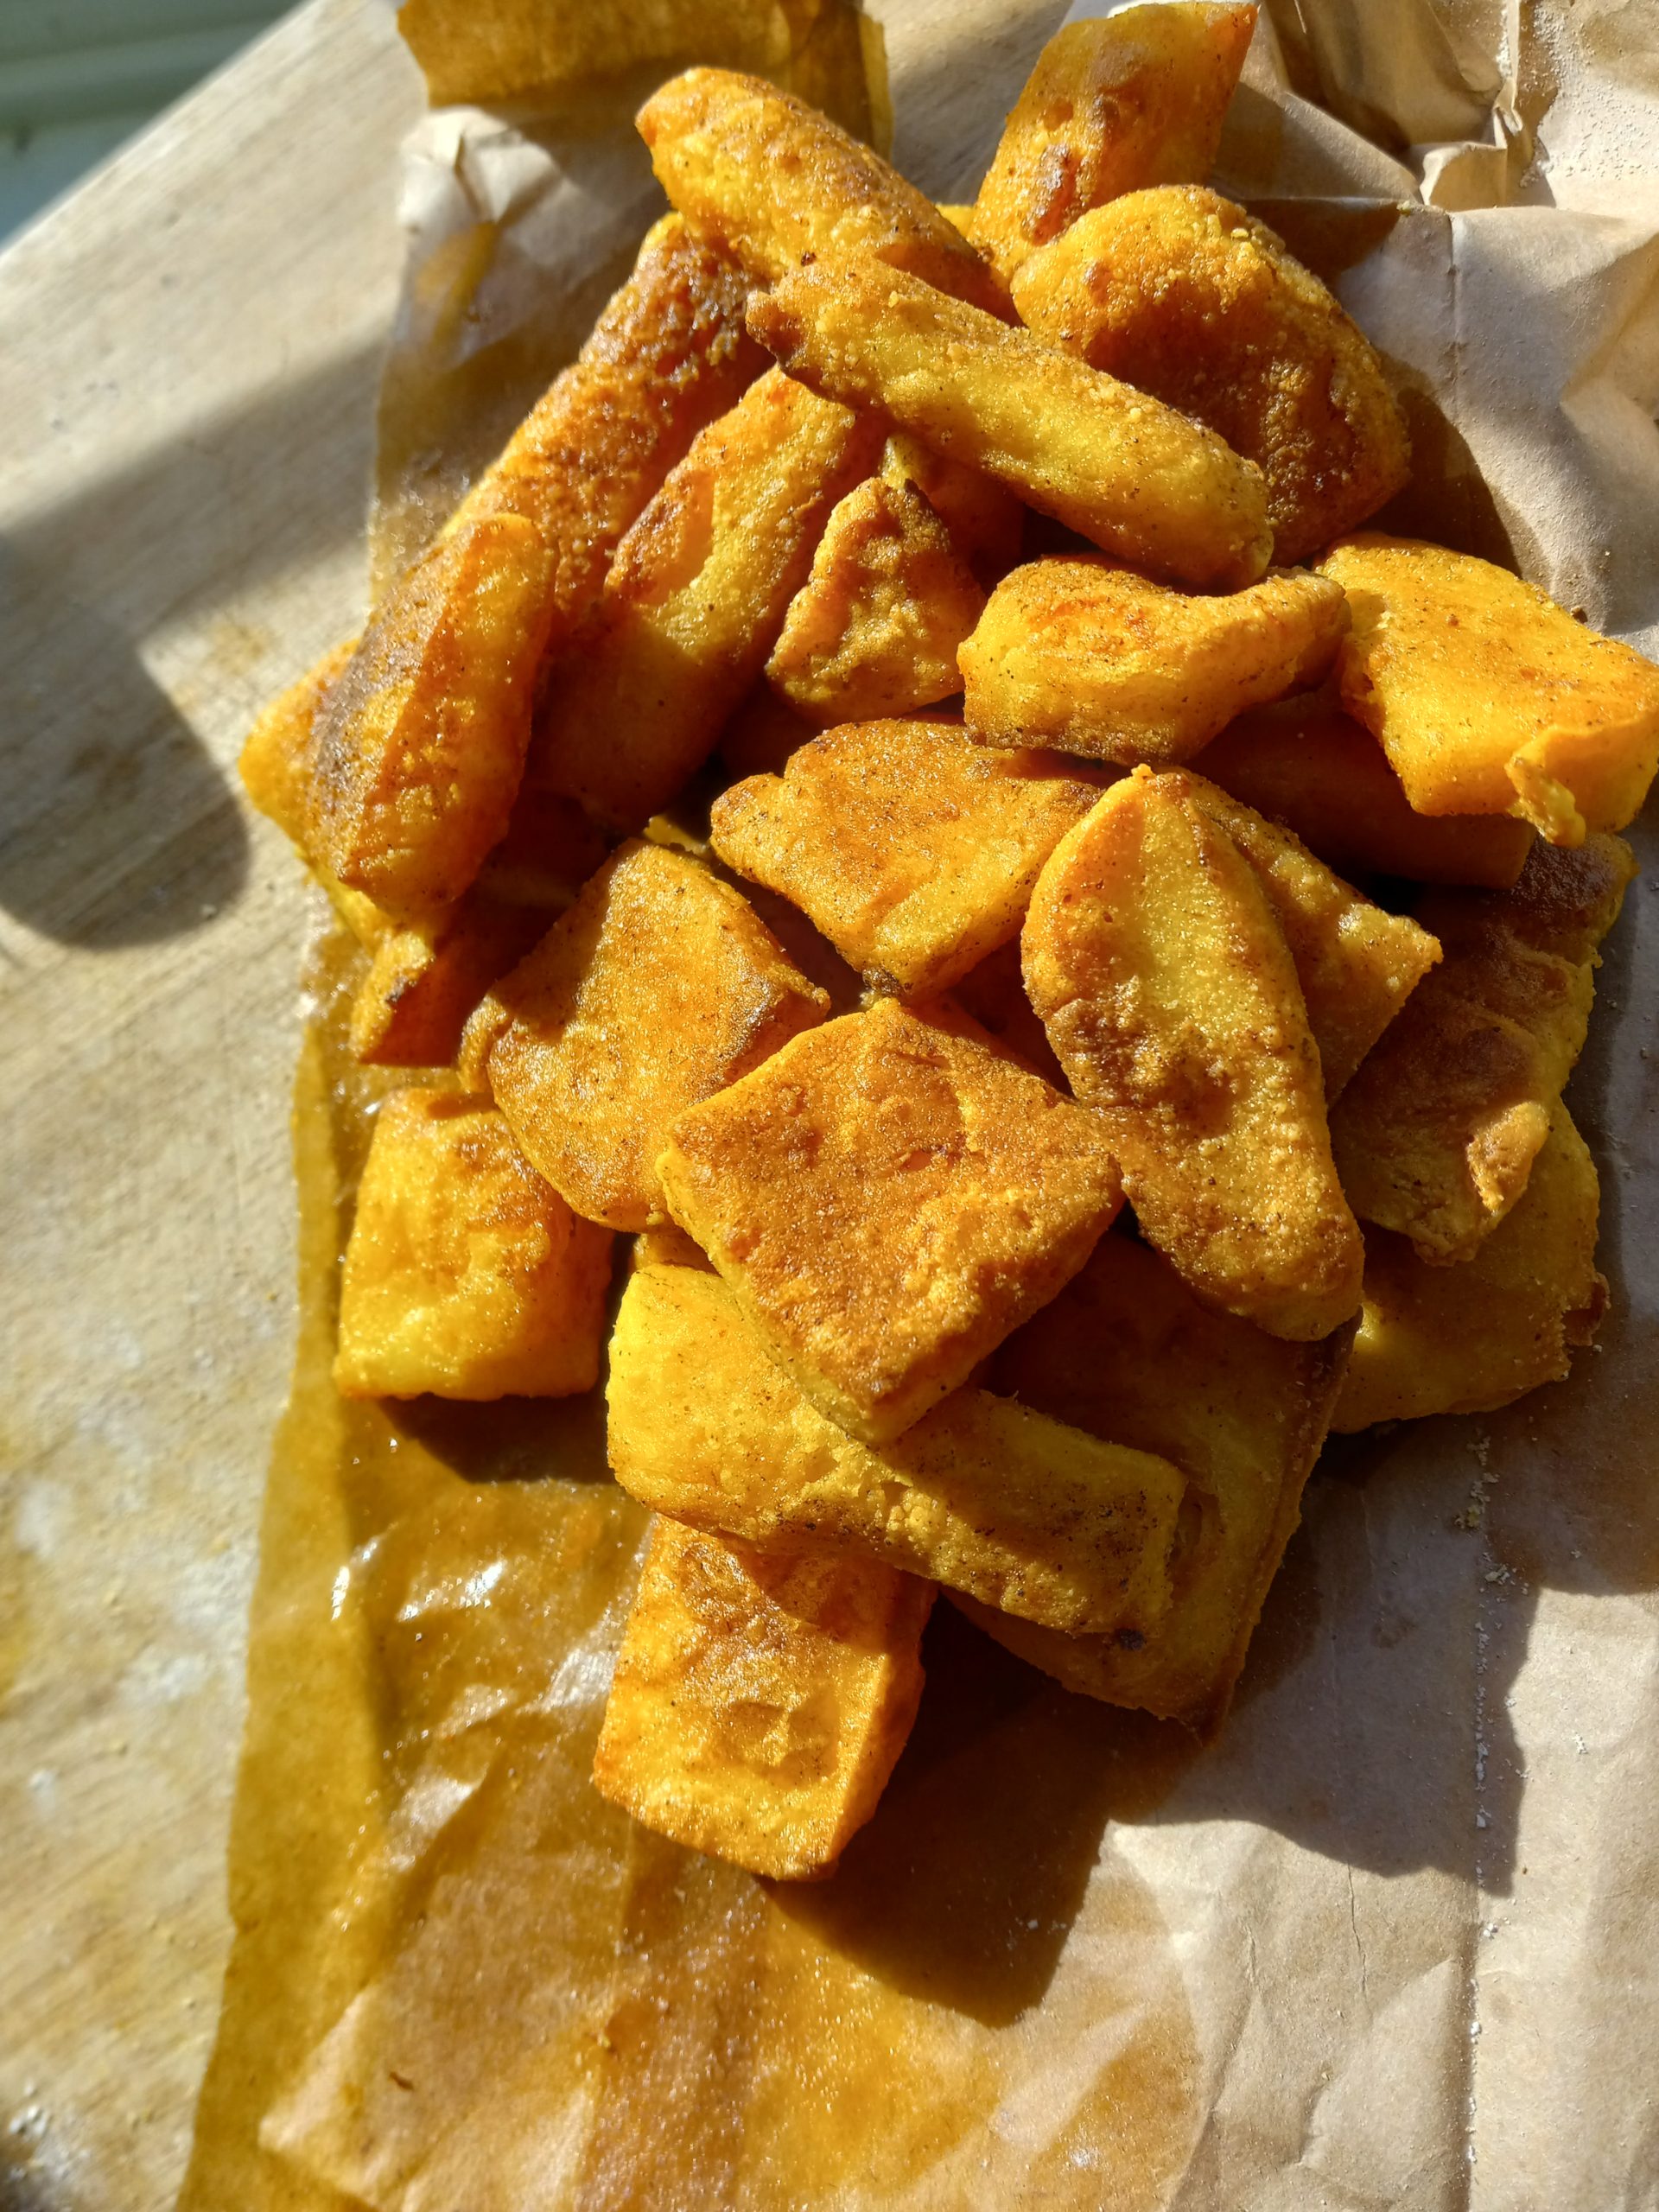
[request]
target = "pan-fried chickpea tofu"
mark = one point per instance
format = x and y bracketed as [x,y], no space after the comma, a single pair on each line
[1467,1340]
[1133,476]
[1112,106]
[1487,697]
[776,184]
[425,979]
[986,522]
[694,602]
[760,1702]
[1156,960]
[1310,768]
[1437,1134]
[465,1275]
[1077,653]
[913,850]
[1184,295]
[982,1495]
[888,1197]
[659,987]
[875,627]
[1128,1353]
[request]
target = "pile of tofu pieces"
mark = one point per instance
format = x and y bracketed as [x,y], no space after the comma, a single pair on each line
[906,750]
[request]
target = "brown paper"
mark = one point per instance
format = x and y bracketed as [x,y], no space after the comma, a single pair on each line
[1386,1943]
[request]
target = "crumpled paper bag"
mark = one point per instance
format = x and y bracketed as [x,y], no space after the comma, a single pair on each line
[1387,1943]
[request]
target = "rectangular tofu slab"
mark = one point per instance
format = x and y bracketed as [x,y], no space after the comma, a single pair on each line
[760,1701]
[1021,1511]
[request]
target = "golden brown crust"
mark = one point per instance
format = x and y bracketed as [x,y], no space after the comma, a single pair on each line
[888,1197]
[1487,697]
[1183,293]
[1313,769]
[913,850]
[659,987]
[1079,652]
[1136,99]
[695,601]
[776,184]
[1129,474]
[980,1495]
[1168,990]
[1128,1353]
[760,1702]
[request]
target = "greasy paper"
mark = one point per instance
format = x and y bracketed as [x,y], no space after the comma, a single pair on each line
[1386,1943]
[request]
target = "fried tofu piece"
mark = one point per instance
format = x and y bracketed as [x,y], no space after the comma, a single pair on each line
[985,521]
[1155,959]
[466,1276]
[1112,106]
[1436,1136]
[993,993]
[1129,474]
[1467,1340]
[420,743]
[1487,697]
[888,1197]
[1357,964]
[776,184]
[1310,768]
[913,850]
[1184,295]
[425,979]
[695,601]
[659,986]
[760,1703]
[664,1245]
[874,629]
[981,1494]
[1128,1353]
[550,851]
[1078,653]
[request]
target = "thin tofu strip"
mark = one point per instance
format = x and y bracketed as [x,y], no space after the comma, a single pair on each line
[760,1701]
[1127,473]
[695,601]
[421,741]
[1017,1511]
[776,183]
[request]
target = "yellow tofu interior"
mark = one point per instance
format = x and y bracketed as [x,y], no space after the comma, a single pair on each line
[984,1495]
[760,1701]
[465,1275]
[913,850]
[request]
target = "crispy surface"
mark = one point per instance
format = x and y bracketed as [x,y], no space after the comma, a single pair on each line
[278,756]
[1078,653]
[1155,959]
[466,1276]
[1357,964]
[426,978]
[507,51]
[1309,767]
[1469,1338]
[1128,1353]
[760,1702]
[913,850]
[1437,1133]
[888,1197]
[420,743]
[777,183]
[985,521]
[982,1495]
[1131,475]
[695,601]
[1111,105]
[875,627]
[1489,698]
[1184,294]
[659,986]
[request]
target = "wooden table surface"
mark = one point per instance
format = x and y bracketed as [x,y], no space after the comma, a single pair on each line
[188,376]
